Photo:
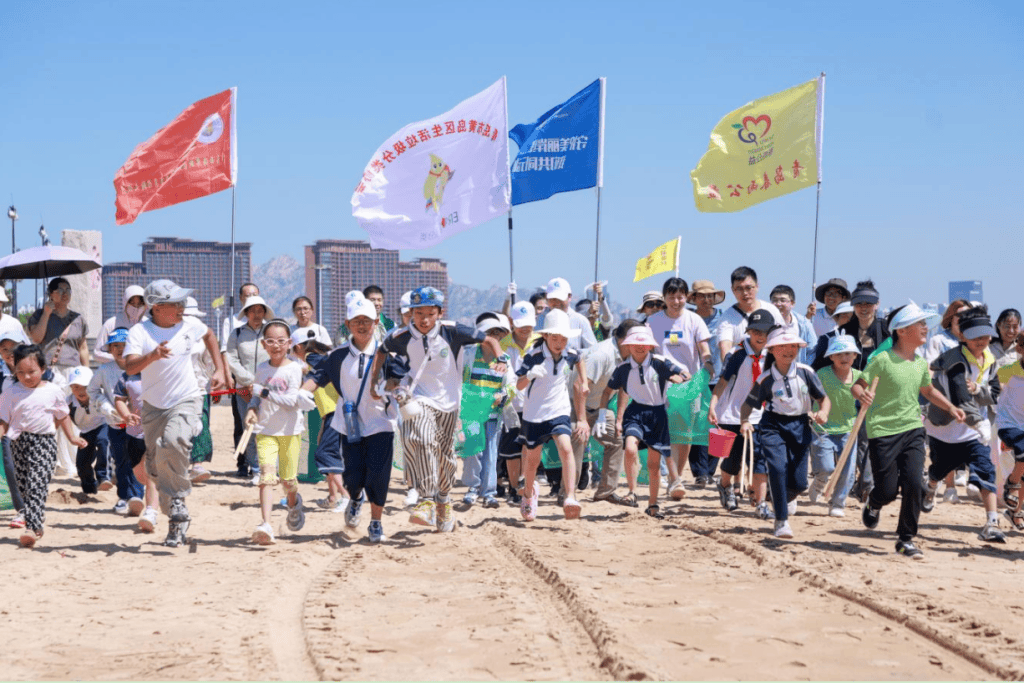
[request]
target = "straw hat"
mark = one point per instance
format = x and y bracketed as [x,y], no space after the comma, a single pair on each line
[706,287]
[648,298]
[556,321]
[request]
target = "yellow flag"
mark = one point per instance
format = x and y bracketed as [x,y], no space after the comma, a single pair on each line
[217,303]
[665,257]
[763,150]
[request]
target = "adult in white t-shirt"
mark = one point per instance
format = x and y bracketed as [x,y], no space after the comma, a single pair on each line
[734,321]
[172,399]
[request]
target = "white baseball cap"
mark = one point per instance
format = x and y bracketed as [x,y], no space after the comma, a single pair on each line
[353,296]
[80,376]
[523,314]
[406,302]
[558,288]
[844,307]
[361,306]
[301,335]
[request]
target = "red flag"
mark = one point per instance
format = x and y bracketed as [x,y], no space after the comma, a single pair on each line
[191,157]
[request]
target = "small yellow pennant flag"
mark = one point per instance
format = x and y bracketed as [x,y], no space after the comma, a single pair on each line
[665,257]
[217,303]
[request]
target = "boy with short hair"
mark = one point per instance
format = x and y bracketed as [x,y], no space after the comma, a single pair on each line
[433,349]
[92,461]
[785,394]
[516,345]
[741,371]
[161,350]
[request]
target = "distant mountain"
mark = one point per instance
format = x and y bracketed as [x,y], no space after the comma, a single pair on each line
[466,303]
[280,280]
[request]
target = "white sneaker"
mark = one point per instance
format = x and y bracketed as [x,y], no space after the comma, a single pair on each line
[960,479]
[135,506]
[791,507]
[411,498]
[354,513]
[256,479]
[950,496]
[836,511]
[376,532]
[263,535]
[677,491]
[782,530]
[296,517]
[147,520]
[817,488]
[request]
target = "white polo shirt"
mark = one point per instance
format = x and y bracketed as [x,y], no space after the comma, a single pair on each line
[345,368]
[646,384]
[440,383]
[548,397]
[739,376]
[791,394]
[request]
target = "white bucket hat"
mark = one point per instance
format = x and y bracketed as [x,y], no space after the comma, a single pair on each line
[133,290]
[910,314]
[844,307]
[780,336]
[842,343]
[192,308]
[256,300]
[556,321]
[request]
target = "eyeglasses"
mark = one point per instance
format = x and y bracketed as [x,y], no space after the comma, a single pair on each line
[746,289]
[302,309]
[275,342]
[65,291]
[781,300]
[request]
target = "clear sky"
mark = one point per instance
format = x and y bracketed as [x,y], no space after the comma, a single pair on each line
[921,127]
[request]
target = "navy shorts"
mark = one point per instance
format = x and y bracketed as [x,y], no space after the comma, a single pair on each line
[328,449]
[1014,438]
[946,457]
[649,425]
[509,446]
[535,434]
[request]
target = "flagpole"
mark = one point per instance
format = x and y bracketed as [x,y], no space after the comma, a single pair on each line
[231,298]
[600,179]
[679,244]
[511,268]
[597,236]
[819,129]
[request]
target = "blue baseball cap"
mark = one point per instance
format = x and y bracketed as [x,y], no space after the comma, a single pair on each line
[118,336]
[426,296]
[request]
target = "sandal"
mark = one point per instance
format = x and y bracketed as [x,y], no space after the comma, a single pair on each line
[630,500]
[1012,500]
[1016,518]
[654,511]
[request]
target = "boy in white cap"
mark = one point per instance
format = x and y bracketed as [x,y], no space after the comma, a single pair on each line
[644,377]
[559,295]
[433,348]
[93,460]
[544,376]
[404,308]
[161,350]
[516,345]
[785,393]
[896,436]
[837,380]
[134,307]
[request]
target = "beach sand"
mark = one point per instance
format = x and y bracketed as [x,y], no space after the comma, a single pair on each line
[701,594]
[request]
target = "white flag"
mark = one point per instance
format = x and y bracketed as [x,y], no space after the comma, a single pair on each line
[438,177]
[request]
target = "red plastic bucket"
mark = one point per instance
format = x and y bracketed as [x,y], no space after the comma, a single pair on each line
[720,442]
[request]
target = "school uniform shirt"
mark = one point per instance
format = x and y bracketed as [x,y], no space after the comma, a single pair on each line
[822,322]
[792,393]
[32,410]
[742,368]
[601,362]
[129,388]
[344,369]
[440,383]
[646,383]
[516,354]
[734,321]
[1010,408]
[679,337]
[84,417]
[548,397]
[168,381]
[895,409]
[101,392]
[283,411]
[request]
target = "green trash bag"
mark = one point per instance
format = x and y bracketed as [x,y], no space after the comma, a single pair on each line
[474,411]
[5,493]
[687,408]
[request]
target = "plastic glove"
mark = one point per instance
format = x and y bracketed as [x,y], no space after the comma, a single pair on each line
[537,372]
[512,289]
[600,426]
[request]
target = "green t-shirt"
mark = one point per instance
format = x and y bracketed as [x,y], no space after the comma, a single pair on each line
[843,412]
[895,409]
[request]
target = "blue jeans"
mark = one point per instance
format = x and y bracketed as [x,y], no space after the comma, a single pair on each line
[127,452]
[701,462]
[825,451]
[251,459]
[92,462]
[480,470]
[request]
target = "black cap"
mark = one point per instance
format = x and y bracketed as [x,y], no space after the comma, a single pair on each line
[760,320]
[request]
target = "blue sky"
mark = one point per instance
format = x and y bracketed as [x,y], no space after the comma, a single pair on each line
[920,166]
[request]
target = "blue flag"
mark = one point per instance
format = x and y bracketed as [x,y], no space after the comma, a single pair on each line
[563,150]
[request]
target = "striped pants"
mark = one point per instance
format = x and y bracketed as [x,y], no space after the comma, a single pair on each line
[429,451]
[34,458]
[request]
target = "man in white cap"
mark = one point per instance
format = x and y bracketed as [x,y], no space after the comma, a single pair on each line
[161,350]
[559,294]
[133,309]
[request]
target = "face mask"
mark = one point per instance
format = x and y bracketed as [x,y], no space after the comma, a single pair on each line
[135,313]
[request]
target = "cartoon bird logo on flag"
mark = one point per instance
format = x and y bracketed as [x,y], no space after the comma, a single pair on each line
[437,180]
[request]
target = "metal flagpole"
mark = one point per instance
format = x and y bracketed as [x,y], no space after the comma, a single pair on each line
[679,244]
[511,267]
[819,129]
[597,236]
[600,178]
[231,297]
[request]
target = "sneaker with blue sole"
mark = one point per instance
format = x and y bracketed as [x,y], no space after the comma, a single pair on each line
[354,512]
[376,532]
[296,516]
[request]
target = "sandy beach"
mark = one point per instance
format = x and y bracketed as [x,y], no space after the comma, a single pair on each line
[700,595]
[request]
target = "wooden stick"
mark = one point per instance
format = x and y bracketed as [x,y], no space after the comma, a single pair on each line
[243,442]
[834,479]
[750,472]
[743,466]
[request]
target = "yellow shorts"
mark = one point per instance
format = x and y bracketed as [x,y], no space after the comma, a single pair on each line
[279,454]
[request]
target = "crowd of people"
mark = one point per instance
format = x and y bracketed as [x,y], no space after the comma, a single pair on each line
[838,404]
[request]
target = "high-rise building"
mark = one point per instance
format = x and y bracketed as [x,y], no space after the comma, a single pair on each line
[116,278]
[969,290]
[335,267]
[202,266]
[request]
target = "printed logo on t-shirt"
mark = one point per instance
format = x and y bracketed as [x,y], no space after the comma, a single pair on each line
[444,353]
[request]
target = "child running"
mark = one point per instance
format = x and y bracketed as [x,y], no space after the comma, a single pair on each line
[785,393]
[544,375]
[30,411]
[127,393]
[277,412]
[894,426]
[1010,428]
[93,461]
[517,345]
[742,368]
[837,380]
[644,378]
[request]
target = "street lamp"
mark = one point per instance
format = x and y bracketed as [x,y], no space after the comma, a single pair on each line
[320,290]
[12,213]
[46,242]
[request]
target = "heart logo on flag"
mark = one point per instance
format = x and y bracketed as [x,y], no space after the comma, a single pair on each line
[753,131]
